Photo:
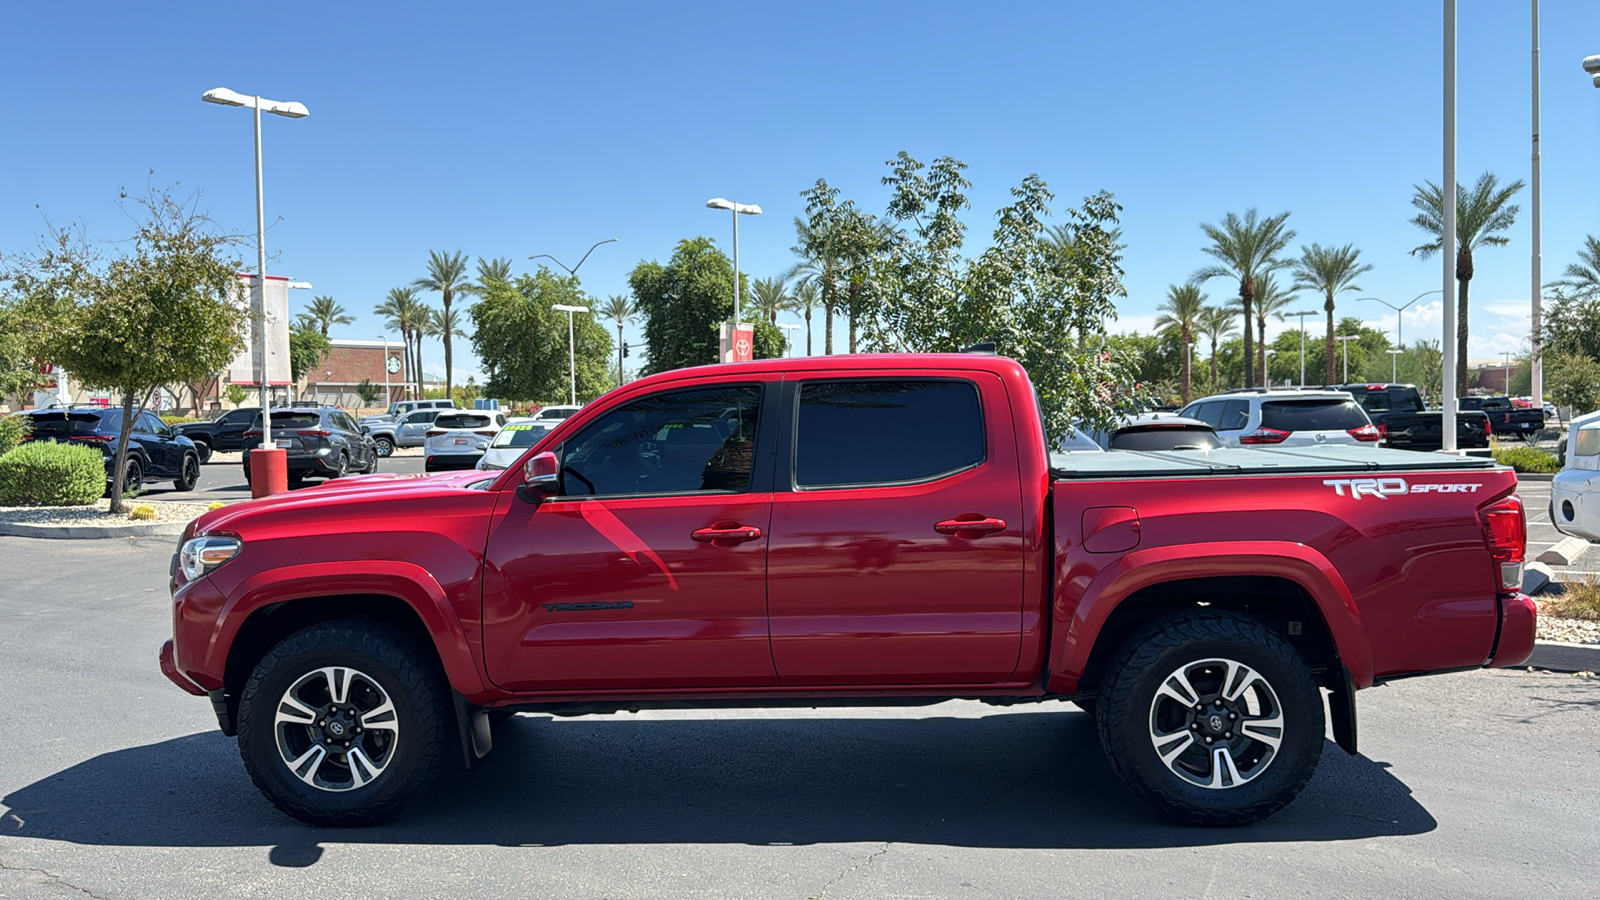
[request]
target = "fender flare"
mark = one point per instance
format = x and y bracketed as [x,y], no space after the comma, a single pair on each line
[1140,569]
[407,582]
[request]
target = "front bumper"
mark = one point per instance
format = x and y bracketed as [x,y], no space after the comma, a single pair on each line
[169,668]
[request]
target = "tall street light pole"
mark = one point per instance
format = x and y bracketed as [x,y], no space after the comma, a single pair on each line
[1399,315]
[289,110]
[387,400]
[746,209]
[1345,339]
[1394,364]
[1507,385]
[1535,367]
[1302,316]
[789,331]
[1447,242]
[572,353]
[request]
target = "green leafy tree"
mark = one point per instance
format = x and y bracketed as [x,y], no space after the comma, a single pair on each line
[1246,249]
[447,275]
[620,309]
[18,371]
[308,347]
[522,342]
[1572,324]
[160,312]
[1422,364]
[323,312]
[368,392]
[1217,324]
[1181,311]
[683,304]
[1483,215]
[1329,271]
[1582,278]
[236,394]
[818,243]
[1573,380]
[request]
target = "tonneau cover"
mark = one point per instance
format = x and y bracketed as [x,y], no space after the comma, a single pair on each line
[1239,461]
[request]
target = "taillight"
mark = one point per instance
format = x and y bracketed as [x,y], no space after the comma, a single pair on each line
[251,434]
[1505,530]
[434,432]
[1486,431]
[313,433]
[1367,433]
[93,437]
[1265,436]
[1383,431]
[485,433]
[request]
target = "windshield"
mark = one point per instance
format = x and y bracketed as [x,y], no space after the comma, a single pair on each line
[1075,439]
[519,436]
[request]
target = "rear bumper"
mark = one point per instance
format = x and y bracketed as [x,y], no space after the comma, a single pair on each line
[1519,625]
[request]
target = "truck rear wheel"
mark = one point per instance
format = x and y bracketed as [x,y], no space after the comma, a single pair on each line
[1211,718]
[343,722]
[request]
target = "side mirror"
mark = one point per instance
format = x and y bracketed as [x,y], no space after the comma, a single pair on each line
[541,477]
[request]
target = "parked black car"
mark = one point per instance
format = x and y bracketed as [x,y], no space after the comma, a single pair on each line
[1406,424]
[155,451]
[223,434]
[1506,418]
[323,442]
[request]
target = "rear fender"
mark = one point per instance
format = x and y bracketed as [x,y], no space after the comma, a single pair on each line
[409,583]
[1140,569]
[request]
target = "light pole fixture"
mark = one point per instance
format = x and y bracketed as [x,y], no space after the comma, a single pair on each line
[1591,64]
[789,336]
[1507,385]
[746,209]
[572,353]
[1345,339]
[1394,365]
[1399,314]
[1302,316]
[289,110]
[573,271]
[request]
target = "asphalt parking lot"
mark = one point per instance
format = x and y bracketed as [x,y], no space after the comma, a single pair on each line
[116,784]
[223,479]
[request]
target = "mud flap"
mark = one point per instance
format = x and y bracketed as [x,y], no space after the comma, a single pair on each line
[472,724]
[1342,710]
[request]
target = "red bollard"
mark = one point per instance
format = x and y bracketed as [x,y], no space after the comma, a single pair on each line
[269,472]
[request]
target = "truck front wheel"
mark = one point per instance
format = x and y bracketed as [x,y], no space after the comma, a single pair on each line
[1211,718]
[342,722]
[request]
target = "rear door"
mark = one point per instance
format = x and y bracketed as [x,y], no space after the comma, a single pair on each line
[897,551]
[163,453]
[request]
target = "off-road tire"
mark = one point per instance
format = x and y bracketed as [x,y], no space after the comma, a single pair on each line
[1125,711]
[407,671]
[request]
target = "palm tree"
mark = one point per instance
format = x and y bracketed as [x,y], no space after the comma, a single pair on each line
[1270,299]
[804,301]
[489,272]
[1247,249]
[324,311]
[1182,311]
[403,311]
[819,265]
[1583,276]
[1329,271]
[1481,215]
[769,297]
[619,308]
[447,275]
[1216,323]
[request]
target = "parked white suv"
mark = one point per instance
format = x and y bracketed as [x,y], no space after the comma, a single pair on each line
[1285,417]
[459,437]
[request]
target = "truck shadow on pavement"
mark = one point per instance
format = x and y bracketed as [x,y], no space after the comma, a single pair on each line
[1020,780]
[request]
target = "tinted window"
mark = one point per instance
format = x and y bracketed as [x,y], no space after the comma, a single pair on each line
[54,424]
[291,420]
[1404,400]
[424,416]
[239,416]
[1207,412]
[1328,414]
[343,421]
[1171,437]
[1372,401]
[1234,415]
[672,443]
[1588,442]
[519,436]
[879,432]
[461,420]
[150,424]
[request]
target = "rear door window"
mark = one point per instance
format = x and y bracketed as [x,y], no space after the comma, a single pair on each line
[1321,414]
[1234,416]
[859,433]
[1209,412]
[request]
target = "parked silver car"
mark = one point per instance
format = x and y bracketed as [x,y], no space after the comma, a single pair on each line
[410,431]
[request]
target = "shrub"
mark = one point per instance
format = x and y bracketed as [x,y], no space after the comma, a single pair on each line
[143,512]
[179,420]
[12,430]
[45,473]
[1527,459]
[216,505]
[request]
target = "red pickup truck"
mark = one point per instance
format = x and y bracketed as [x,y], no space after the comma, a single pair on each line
[864,530]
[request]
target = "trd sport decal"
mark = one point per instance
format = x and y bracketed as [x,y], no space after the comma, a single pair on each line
[1384,488]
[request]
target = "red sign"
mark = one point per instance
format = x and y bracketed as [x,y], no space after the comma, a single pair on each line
[744,342]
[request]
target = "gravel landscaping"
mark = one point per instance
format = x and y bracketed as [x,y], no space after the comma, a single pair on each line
[97,514]
[1572,631]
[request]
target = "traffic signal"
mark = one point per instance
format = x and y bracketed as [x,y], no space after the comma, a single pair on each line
[624,351]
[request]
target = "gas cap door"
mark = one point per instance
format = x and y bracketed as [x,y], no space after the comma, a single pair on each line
[1110,529]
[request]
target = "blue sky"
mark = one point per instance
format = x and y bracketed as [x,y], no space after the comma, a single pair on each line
[515,129]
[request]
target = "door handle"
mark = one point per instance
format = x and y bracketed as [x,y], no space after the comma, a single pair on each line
[736,534]
[970,527]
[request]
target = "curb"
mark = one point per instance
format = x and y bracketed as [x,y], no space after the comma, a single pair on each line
[1536,476]
[91,532]
[1560,656]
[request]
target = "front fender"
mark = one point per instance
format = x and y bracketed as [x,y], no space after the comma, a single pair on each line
[410,583]
[1140,569]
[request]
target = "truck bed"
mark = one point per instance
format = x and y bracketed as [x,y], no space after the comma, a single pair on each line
[1238,461]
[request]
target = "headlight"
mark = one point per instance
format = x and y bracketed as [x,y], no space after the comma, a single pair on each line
[202,554]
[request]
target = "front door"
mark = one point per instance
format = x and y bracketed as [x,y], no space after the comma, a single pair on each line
[648,569]
[897,548]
